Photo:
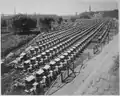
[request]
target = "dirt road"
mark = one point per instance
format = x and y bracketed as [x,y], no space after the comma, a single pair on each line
[98,65]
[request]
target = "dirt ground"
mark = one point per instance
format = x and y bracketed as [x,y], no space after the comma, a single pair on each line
[96,77]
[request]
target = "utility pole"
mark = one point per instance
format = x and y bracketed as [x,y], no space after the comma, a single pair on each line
[14,10]
[89,8]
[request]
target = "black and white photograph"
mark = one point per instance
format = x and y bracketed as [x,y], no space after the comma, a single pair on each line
[59,47]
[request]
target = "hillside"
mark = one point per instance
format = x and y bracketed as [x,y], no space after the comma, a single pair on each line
[94,14]
[110,13]
[113,13]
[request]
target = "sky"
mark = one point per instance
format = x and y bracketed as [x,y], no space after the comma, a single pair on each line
[58,7]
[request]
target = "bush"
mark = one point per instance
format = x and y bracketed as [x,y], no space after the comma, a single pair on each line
[60,20]
[24,23]
[46,23]
[73,19]
[85,16]
[13,42]
[3,23]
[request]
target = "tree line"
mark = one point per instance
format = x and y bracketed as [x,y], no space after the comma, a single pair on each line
[25,23]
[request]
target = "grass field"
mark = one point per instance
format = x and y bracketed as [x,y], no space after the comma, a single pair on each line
[10,42]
